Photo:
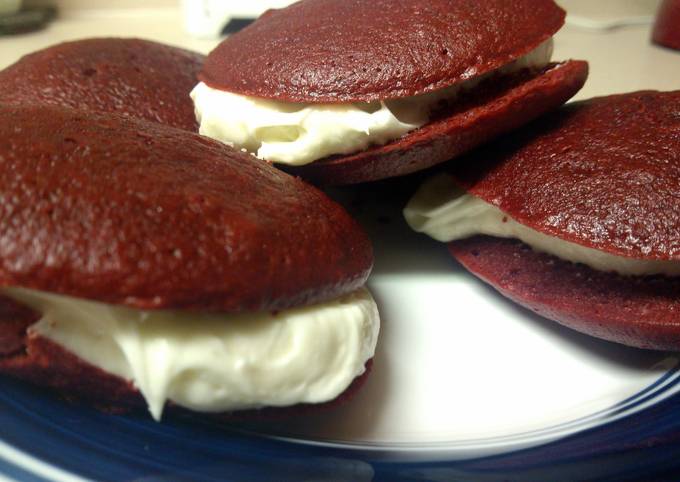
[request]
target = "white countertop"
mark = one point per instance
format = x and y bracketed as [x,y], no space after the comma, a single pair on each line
[621,60]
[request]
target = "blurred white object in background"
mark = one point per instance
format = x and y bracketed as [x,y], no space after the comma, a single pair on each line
[207,18]
[9,6]
[608,14]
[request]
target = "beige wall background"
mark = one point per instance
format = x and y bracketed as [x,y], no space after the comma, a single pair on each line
[608,9]
[103,4]
[599,9]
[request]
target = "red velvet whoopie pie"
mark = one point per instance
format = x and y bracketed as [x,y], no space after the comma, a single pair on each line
[590,195]
[115,228]
[448,74]
[665,31]
[134,77]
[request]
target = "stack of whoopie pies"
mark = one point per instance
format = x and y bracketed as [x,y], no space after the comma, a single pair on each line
[144,264]
[141,263]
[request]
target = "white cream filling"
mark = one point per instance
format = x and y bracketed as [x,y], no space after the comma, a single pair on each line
[217,362]
[447,213]
[298,134]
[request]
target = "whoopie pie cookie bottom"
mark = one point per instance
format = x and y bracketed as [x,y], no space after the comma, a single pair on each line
[498,105]
[638,311]
[40,361]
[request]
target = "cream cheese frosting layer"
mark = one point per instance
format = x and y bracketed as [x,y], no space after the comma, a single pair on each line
[447,213]
[297,134]
[216,362]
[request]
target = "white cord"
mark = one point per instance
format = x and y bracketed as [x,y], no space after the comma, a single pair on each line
[592,24]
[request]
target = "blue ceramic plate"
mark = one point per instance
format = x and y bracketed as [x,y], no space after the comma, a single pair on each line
[465,386]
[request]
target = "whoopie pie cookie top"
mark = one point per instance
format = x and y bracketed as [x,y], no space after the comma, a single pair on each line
[130,212]
[603,173]
[366,50]
[134,77]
